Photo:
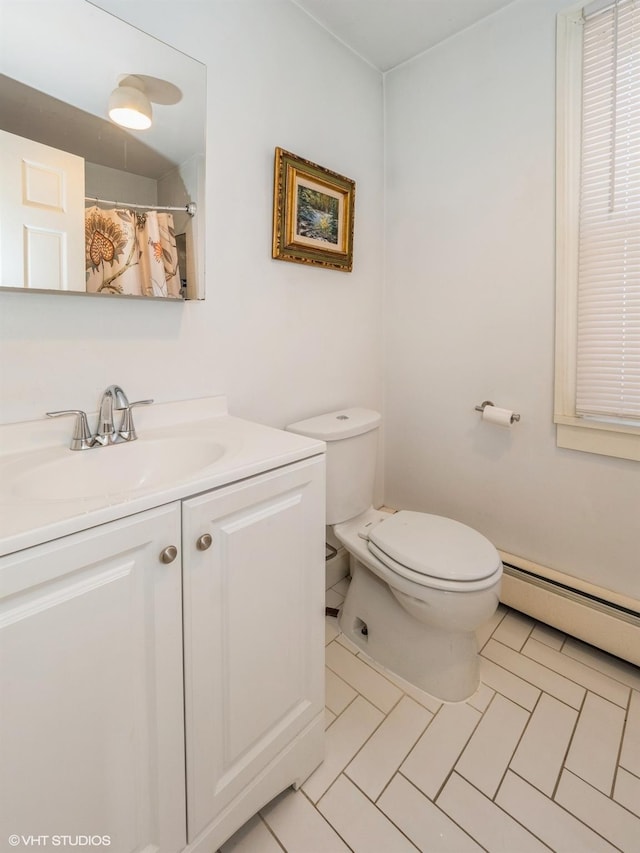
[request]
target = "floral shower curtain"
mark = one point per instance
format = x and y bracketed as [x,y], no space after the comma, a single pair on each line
[131,253]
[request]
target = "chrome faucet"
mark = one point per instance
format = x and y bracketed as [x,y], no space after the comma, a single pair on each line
[113,399]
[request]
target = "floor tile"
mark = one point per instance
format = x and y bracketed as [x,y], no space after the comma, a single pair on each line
[433,757]
[586,676]
[342,586]
[359,822]
[627,790]
[348,644]
[331,630]
[508,684]
[425,699]
[545,819]
[253,837]
[481,698]
[487,755]
[386,749]
[514,630]
[329,717]
[333,598]
[373,686]
[425,824]
[608,664]
[300,827]
[548,635]
[536,674]
[603,815]
[484,821]
[342,740]
[593,754]
[630,754]
[544,744]
[338,694]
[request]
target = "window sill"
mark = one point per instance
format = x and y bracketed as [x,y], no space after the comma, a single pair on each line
[591,437]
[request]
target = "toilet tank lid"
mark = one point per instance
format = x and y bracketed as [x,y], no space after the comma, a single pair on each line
[338,425]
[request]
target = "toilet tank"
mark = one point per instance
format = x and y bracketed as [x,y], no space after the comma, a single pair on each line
[352,441]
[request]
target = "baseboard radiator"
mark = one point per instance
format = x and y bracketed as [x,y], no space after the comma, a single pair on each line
[595,615]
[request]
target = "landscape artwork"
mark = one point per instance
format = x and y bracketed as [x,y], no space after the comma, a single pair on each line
[313,211]
[317,215]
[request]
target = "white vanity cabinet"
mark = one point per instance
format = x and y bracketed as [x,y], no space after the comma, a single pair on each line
[254,628]
[91,715]
[117,656]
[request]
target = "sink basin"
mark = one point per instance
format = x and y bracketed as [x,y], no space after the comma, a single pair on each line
[114,470]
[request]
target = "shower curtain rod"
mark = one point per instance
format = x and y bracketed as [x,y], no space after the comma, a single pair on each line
[190,208]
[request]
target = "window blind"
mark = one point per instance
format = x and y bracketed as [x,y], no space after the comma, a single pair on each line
[608,320]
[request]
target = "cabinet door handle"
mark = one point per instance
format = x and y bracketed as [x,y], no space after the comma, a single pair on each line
[168,554]
[204,542]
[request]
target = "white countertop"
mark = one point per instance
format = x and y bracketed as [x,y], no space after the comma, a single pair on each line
[249,449]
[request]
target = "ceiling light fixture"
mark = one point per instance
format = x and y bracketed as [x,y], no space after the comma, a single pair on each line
[129,105]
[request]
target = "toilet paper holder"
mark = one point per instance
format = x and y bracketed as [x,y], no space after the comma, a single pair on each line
[514,418]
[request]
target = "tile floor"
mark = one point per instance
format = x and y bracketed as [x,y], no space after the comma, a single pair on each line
[545,756]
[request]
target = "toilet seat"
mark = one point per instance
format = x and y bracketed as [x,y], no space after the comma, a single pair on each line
[434,551]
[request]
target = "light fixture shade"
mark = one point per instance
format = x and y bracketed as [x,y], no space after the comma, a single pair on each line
[130,107]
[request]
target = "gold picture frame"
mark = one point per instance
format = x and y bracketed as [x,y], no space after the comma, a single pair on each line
[312,214]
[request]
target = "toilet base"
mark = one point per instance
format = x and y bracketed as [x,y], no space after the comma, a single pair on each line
[440,661]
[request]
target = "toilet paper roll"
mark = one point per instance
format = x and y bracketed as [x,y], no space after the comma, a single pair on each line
[495,415]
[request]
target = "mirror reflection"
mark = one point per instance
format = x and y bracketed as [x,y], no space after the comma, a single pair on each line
[88,205]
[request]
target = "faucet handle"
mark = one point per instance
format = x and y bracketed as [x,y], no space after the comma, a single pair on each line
[82,438]
[127,430]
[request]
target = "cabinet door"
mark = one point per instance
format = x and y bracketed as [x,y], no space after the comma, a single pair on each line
[254,629]
[92,737]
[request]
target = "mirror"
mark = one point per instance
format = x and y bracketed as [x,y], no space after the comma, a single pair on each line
[87,206]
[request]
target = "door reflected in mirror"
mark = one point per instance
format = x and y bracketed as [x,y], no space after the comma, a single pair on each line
[87,206]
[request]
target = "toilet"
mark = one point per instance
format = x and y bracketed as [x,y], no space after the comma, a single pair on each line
[420,584]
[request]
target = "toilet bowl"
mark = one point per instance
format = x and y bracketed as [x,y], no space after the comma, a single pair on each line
[421,584]
[420,626]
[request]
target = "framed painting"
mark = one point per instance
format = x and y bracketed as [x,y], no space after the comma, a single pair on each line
[312,214]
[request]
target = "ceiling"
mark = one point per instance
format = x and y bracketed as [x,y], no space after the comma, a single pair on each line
[389,32]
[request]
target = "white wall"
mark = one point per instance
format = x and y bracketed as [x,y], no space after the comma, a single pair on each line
[104,182]
[470,306]
[283,341]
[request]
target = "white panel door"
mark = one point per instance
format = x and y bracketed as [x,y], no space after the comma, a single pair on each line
[254,629]
[91,711]
[41,216]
